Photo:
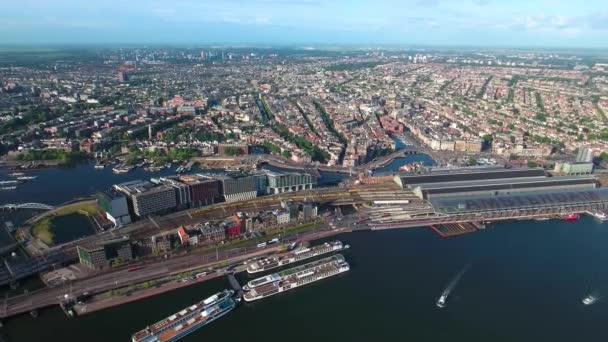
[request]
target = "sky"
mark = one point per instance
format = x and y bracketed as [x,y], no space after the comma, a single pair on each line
[493,23]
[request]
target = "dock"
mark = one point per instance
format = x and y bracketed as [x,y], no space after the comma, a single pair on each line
[454,229]
[235,285]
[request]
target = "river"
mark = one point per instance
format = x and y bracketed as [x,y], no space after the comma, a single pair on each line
[525,283]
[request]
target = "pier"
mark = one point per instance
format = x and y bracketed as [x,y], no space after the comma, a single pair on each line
[235,285]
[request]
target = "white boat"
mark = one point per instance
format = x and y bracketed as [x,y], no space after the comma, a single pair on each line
[590,300]
[8,182]
[441,301]
[600,215]
[8,188]
[16,174]
[25,178]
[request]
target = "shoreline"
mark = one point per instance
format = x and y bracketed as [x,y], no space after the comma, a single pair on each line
[101,301]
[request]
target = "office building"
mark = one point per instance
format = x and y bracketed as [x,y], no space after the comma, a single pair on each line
[114,204]
[106,253]
[584,155]
[286,182]
[238,188]
[147,199]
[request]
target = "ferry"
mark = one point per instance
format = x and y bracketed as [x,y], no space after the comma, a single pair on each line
[590,300]
[572,217]
[188,320]
[297,255]
[294,277]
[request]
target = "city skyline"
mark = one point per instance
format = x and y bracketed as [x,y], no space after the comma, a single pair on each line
[491,23]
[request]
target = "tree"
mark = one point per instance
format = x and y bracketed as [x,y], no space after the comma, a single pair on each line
[604,157]
[286,154]
[532,163]
[472,161]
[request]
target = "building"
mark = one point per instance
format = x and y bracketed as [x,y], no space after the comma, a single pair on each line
[114,204]
[183,195]
[232,149]
[238,188]
[584,155]
[232,227]
[203,190]
[582,168]
[489,182]
[162,242]
[106,253]
[212,233]
[184,238]
[287,182]
[261,183]
[282,216]
[146,199]
[309,211]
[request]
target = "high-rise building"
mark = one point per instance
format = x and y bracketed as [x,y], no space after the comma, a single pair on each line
[203,190]
[584,155]
[145,198]
[114,204]
[238,188]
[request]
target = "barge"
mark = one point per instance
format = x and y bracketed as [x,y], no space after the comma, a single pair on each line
[295,277]
[188,320]
[275,261]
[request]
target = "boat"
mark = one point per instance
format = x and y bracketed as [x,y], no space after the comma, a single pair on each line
[572,217]
[441,302]
[188,320]
[16,174]
[26,178]
[122,169]
[600,215]
[275,261]
[542,219]
[590,300]
[8,188]
[8,182]
[411,167]
[99,166]
[294,277]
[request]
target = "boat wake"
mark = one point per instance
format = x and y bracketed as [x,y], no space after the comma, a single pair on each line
[441,302]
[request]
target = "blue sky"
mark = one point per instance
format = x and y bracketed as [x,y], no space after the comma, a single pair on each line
[548,23]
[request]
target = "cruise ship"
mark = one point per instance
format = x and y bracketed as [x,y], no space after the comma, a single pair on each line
[188,320]
[283,259]
[294,277]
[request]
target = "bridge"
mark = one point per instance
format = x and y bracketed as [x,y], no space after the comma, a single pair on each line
[40,206]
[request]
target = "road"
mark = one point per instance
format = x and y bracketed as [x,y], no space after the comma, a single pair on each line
[151,269]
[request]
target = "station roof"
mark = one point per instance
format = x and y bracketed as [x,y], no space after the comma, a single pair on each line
[472,174]
[471,204]
[503,184]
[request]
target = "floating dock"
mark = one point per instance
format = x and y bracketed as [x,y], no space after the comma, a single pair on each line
[455,229]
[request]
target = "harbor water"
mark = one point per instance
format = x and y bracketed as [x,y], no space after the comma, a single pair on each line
[525,282]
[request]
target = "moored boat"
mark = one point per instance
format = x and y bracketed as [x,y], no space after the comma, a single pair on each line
[275,261]
[295,277]
[188,320]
